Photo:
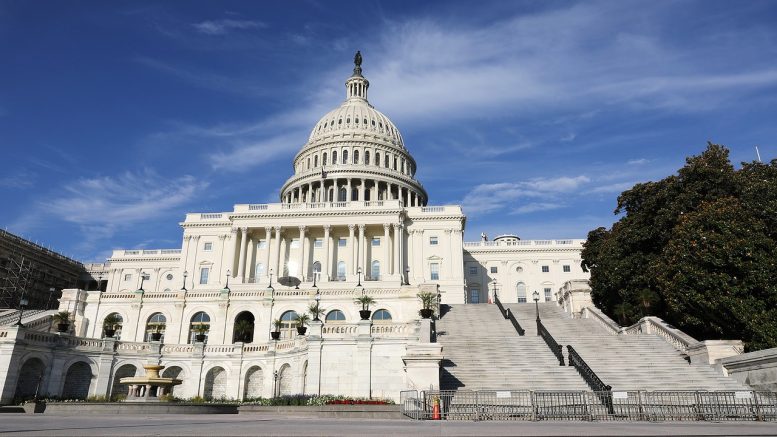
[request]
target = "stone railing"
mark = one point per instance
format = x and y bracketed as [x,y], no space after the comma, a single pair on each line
[177,349]
[654,325]
[394,330]
[608,323]
[144,252]
[338,330]
[312,206]
[524,243]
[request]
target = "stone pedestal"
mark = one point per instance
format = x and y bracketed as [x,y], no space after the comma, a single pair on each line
[422,366]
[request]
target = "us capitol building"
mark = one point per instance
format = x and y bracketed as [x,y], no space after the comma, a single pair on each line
[352,220]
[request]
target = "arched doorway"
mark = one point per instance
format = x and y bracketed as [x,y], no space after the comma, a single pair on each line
[200,325]
[243,329]
[215,383]
[117,388]
[31,375]
[284,380]
[173,372]
[78,381]
[113,321]
[253,383]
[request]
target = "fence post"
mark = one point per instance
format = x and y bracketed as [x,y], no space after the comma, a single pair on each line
[533,406]
[640,408]
[757,407]
[477,406]
[699,409]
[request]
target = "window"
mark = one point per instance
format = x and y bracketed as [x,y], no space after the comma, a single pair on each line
[375,242]
[433,241]
[341,270]
[323,159]
[375,271]
[567,269]
[335,316]
[545,269]
[382,315]
[204,272]
[207,247]
[474,295]
[342,194]
[113,321]
[334,157]
[262,244]
[200,325]
[494,269]
[521,288]
[289,324]
[308,166]
[386,161]
[318,242]
[315,161]
[434,268]
[128,276]
[155,324]
[317,267]
[355,156]
[345,157]
[294,243]
[395,163]
[548,296]
[519,269]
[169,276]
[473,270]
[367,157]
[377,159]
[342,242]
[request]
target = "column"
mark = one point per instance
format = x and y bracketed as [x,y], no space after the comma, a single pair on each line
[348,195]
[222,260]
[326,270]
[386,250]
[362,251]
[397,267]
[401,250]
[268,237]
[449,252]
[302,267]
[186,240]
[352,243]
[241,265]
[410,254]
[361,190]
[309,194]
[374,191]
[278,263]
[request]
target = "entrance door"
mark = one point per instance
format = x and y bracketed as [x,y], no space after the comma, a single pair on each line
[474,295]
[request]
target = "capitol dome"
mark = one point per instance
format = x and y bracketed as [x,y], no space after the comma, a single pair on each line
[354,153]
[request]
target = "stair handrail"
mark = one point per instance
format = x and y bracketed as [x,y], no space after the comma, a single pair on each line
[608,323]
[588,374]
[509,316]
[556,348]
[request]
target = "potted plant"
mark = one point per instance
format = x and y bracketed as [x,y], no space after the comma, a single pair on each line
[243,331]
[365,302]
[428,299]
[302,320]
[201,329]
[157,334]
[276,335]
[62,319]
[110,323]
[316,311]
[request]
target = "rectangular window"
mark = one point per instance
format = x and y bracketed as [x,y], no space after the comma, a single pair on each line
[262,244]
[318,242]
[473,270]
[342,242]
[567,269]
[548,296]
[433,241]
[375,242]
[128,276]
[545,269]
[204,272]
[434,268]
[295,243]
[494,269]
[207,247]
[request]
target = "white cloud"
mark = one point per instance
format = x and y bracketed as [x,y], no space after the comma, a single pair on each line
[221,27]
[612,188]
[546,194]
[535,207]
[249,154]
[639,161]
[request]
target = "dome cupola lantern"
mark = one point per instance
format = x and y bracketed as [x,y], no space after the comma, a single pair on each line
[354,154]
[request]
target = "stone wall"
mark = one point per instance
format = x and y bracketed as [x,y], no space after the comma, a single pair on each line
[756,369]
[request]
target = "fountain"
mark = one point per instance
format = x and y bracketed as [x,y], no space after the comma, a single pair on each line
[150,387]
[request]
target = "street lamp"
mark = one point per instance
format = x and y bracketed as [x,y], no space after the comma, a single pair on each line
[495,296]
[226,287]
[185,274]
[269,287]
[275,383]
[359,272]
[318,299]
[315,275]
[536,296]
[100,282]
[407,274]
[52,290]
[22,304]
[143,277]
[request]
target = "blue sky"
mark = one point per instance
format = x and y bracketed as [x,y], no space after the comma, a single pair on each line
[117,118]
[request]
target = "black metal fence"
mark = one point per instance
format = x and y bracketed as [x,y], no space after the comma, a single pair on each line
[589,405]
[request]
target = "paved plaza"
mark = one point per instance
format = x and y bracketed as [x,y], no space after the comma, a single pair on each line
[223,425]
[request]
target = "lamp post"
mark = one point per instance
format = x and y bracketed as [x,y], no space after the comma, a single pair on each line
[270,286]
[407,275]
[495,296]
[359,273]
[271,289]
[22,304]
[536,296]
[226,286]
[318,300]
[100,282]
[315,275]
[143,277]
[185,274]
[275,383]
[52,290]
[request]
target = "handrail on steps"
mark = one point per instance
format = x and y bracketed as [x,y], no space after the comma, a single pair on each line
[604,391]
[509,316]
[556,348]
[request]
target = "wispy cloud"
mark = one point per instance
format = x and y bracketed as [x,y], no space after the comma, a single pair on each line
[638,161]
[224,26]
[545,194]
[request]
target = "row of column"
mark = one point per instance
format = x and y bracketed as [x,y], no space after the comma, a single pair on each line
[318,191]
[272,256]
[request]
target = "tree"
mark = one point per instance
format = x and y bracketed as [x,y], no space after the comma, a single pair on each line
[696,248]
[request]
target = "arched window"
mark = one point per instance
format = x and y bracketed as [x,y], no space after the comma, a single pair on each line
[367,157]
[289,324]
[259,271]
[355,156]
[375,271]
[113,321]
[345,157]
[199,326]
[381,316]
[377,159]
[335,316]
[315,161]
[386,161]
[395,163]
[243,329]
[521,289]
[308,167]
[341,194]
[323,159]
[341,270]
[156,325]
[334,157]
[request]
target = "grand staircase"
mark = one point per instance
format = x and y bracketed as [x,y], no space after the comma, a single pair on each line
[483,351]
[626,362]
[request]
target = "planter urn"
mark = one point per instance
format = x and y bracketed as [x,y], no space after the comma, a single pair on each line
[365,314]
[276,335]
[301,330]
[426,313]
[62,327]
